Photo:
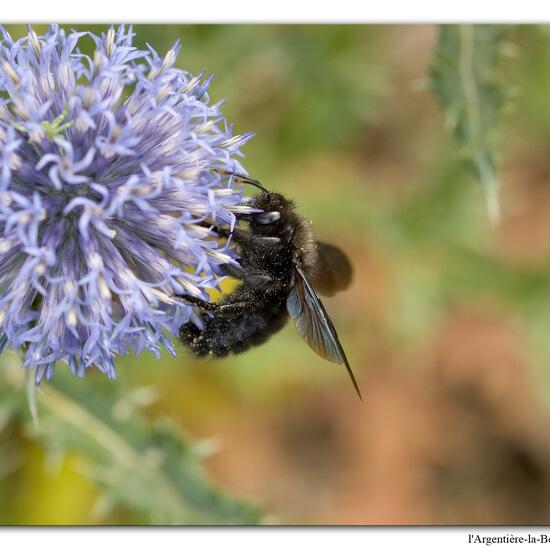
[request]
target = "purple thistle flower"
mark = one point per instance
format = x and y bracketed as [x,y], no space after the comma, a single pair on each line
[108,164]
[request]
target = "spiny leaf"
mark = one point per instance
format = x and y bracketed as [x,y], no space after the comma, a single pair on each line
[465,78]
[146,467]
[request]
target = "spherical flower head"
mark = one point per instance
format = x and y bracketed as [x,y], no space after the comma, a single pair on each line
[111,168]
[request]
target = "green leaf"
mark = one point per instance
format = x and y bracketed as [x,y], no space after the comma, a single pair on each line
[146,467]
[465,78]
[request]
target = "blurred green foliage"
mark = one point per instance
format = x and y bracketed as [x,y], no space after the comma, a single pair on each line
[344,126]
[145,467]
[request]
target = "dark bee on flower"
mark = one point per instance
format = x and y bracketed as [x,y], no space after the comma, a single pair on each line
[280,268]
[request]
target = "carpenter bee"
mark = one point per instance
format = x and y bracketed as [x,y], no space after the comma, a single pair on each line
[281,265]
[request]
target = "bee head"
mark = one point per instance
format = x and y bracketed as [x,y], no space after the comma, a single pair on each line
[277,216]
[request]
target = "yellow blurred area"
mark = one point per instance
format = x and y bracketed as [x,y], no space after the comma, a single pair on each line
[226,286]
[61,494]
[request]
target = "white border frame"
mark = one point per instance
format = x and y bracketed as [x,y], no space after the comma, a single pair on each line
[280,11]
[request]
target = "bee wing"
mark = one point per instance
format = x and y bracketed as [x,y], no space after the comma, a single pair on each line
[314,324]
[333,270]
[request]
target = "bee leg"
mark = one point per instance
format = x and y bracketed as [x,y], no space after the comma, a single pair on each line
[203,304]
[258,279]
[235,271]
[233,306]
[211,306]
[252,277]
[240,236]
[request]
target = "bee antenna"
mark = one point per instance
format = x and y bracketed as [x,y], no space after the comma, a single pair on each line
[240,178]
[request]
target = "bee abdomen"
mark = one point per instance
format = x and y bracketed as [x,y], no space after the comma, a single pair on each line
[221,335]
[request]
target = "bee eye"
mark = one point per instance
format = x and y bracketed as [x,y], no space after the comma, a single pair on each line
[265,218]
